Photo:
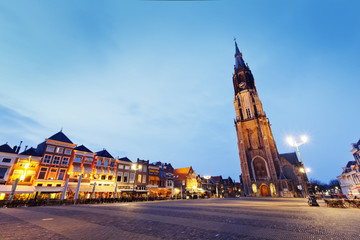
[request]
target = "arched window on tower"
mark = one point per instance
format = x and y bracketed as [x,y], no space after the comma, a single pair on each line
[260,169]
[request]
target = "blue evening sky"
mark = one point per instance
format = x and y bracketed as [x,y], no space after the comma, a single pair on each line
[153,79]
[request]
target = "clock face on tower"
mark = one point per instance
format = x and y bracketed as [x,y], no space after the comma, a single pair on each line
[242,85]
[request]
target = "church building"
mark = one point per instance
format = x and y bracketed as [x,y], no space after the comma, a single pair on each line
[261,164]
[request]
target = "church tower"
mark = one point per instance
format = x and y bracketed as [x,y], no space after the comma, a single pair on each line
[259,158]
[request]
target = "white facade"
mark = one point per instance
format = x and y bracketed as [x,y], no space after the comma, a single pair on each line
[7,160]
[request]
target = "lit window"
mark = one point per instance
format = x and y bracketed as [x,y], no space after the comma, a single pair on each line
[144,179]
[120,166]
[50,149]
[56,160]
[65,161]
[52,174]
[47,159]
[127,167]
[59,150]
[139,178]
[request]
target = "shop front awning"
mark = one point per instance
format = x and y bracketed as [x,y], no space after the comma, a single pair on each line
[19,189]
[49,189]
[105,189]
[83,188]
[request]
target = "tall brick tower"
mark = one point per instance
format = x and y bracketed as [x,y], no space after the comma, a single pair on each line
[259,158]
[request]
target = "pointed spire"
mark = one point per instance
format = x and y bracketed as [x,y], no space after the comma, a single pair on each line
[237,51]
[239,61]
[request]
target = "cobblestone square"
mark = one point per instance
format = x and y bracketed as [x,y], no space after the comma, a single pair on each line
[241,218]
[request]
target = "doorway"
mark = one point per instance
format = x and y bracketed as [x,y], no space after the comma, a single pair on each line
[264,190]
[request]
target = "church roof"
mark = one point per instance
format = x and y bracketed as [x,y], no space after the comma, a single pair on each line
[104,153]
[61,137]
[291,158]
[30,152]
[6,148]
[83,149]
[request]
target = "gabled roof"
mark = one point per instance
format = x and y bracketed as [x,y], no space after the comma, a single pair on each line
[125,159]
[104,153]
[30,152]
[61,137]
[83,149]
[350,163]
[217,179]
[6,148]
[291,158]
[181,173]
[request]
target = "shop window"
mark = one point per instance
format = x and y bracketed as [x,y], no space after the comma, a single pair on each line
[49,185]
[65,161]
[42,173]
[58,185]
[39,184]
[61,174]
[6,160]
[56,160]
[3,172]
[52,174]
[47,159]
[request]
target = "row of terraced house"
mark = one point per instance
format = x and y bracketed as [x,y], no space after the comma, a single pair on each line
[59,169]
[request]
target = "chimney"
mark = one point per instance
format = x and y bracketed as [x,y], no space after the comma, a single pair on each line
[26,147]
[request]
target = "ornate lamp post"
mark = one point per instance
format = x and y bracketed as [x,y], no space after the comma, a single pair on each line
[292,142]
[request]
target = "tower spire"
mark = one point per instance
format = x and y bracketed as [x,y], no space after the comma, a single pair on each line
[239,61]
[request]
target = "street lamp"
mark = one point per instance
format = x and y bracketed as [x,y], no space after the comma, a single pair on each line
[292,142]
[135,167]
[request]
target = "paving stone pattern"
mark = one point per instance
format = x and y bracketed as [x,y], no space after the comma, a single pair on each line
[241,218]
